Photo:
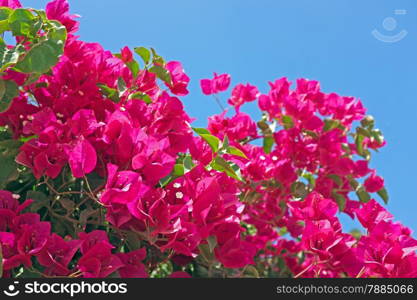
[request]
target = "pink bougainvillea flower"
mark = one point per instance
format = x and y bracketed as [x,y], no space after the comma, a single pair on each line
[97,259]
[59,10]
[133,266]
[33,238]
[273,101]
[153,161]
[8,201]
[126,55]
[185,240]
[57,255]
[10,3]
[82,158]
[236,253]
[374,183]
[179,79]
[84,122]
[180,274]
[314,207]
[372,213]
[361,168]
[243,93]
[219,83]
[90,239]
[99,262]
[49,161]
[237,128]
[122,187]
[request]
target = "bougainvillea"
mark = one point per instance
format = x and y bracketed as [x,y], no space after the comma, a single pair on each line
[102,173]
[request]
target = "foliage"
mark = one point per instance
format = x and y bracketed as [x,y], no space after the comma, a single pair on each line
[119,184]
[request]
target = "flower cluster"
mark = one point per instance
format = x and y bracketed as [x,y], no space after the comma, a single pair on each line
[106,151]
[24,235]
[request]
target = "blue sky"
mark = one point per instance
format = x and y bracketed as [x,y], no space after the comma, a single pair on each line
[259,41]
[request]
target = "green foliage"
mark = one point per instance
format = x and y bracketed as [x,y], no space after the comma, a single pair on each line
[144,53]
[9,169]
[8,91]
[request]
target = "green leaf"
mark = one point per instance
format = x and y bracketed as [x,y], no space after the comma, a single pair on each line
[40,58]
[311,133]
[213,141]
[109,92]
[2,90]
[9,145]
[156,58]
[225,143]
[359,144]
[363,195]
[32,78]
[21,22]
[354,184]
[5,12]
[188,162]
[167,179]
[235,151]
[212,242]
[330,124]
[299,189]
[41,13]
[340,200]
[283,230]
[311,179]
[200,130]
[133,67]
[287,122]
[121,86]
[141,96]
[206,253]
[251,272]
[336,179]
[4,26]
[383,193]
[8,57]
[356,233]
[179,170]
[25,139]
[57,34]
[4,16]
[221,165]
[8,170]
[133,240]
[41,200]
[29,274]
[8,91]
[268,143]
[161,73]
[144,53]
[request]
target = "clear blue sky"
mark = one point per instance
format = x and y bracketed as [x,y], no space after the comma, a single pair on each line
[261,40]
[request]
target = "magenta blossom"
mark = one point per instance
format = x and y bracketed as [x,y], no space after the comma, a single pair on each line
[243,93]
[374,183]
[179,79]
[219,83]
